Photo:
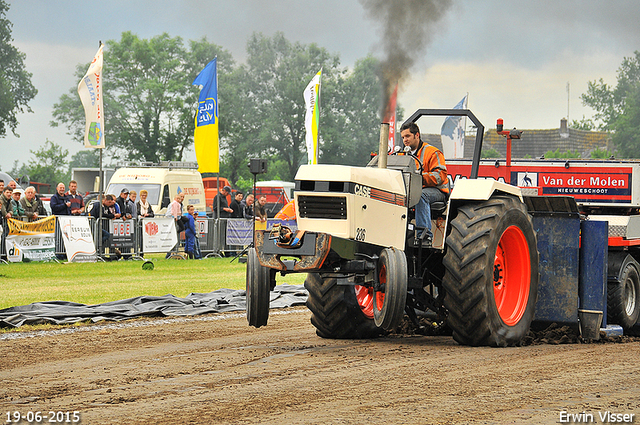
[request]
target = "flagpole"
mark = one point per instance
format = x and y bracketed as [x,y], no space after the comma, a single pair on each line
[100,188]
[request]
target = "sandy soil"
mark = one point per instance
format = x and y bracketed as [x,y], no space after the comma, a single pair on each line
[218,370]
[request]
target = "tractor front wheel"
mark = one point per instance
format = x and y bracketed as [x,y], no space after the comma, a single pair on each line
[390,293]
[491,277]
[258,288]
[340,311]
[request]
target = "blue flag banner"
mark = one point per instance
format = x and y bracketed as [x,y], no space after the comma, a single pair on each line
[206,138]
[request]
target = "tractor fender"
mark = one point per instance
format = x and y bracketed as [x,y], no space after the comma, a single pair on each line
[476,190]
[481,189]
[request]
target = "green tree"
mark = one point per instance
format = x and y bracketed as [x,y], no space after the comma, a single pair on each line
[269,92]
[48,165]
[601,153]
[278,72]
[16,89]
[561,155]
[490,153]
[149,101]
[586,124]
[618,108]
[86,158]
[351,129]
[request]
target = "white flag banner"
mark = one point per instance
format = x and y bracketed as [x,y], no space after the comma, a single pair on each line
[312,117]
[452,133]
[90,92]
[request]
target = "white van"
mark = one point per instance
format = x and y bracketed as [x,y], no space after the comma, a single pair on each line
[163,181]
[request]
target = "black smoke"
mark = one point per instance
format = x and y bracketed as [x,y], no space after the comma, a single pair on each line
[408,27]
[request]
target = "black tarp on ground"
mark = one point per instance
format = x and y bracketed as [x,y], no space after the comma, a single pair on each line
[220,301]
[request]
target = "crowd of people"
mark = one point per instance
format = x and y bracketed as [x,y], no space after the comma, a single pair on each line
[239,206]
[15,204]
[29,207]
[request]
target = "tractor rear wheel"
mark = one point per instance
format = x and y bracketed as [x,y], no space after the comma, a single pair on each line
[337,311]
[623,298]
[491,277]
[258,288]
[390,296]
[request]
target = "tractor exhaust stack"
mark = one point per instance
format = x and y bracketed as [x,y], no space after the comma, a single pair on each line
[383,148]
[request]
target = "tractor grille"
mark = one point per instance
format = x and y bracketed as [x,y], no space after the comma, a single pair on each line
[330,207]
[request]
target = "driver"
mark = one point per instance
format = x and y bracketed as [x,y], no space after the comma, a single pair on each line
[435,183]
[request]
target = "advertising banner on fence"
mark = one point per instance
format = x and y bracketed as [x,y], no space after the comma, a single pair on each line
[159,234]
[31,241]
[122,232]
[78,240]
[239,232]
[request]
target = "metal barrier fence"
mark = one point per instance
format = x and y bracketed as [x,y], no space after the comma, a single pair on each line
[117,237]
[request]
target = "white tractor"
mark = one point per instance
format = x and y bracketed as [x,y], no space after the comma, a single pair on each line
[355,239]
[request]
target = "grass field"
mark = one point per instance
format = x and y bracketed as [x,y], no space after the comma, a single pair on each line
[95,283]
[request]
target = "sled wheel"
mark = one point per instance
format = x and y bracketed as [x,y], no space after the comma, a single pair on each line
[390,294]
[623,304]
[336,310]
[491,273]
[258,286]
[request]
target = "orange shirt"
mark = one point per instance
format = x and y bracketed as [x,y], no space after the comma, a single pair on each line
[434,173]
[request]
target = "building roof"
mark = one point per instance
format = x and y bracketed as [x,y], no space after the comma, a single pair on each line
[535,143]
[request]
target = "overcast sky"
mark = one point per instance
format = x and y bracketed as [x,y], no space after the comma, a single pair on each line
[514,58]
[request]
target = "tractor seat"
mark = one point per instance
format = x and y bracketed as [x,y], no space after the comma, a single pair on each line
[438,208]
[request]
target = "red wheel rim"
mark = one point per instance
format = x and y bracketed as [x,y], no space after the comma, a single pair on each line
[365,299]
[512,275]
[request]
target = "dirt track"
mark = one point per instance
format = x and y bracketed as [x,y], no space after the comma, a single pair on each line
[216,369]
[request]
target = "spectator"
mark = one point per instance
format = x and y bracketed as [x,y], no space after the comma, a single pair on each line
[221,199]
[261,213]
[175,210]
[190,232]
[247,207]
[60,205]
[123,203]
[33,207]
[116,206]
[1,186]
[235,205]
[175,207]
[108,213]
[132,203]
[17,211]
[12,184]
[261,209]
[5,203]
[143,208]
[197,254]
[76,203]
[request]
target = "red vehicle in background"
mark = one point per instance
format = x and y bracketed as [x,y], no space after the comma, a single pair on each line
[278,194]
[211,189]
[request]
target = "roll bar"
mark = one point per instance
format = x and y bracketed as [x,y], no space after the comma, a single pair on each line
[457,113]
